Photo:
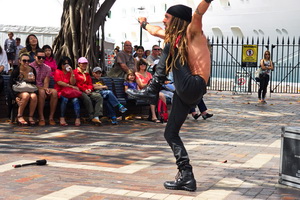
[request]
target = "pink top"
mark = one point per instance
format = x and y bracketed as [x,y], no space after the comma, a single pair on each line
[144,80]
[52,64]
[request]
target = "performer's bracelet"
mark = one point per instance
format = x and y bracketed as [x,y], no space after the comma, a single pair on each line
[208,1]
[144,24]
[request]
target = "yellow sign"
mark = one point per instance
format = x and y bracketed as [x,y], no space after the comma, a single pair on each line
[249,53]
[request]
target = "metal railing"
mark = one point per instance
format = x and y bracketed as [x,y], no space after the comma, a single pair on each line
[228,74]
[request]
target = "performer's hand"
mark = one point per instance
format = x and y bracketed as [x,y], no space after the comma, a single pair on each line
[142,19]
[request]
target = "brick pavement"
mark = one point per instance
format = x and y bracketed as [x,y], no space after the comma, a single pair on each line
[235,155]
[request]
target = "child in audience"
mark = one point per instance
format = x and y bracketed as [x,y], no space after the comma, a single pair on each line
[112,101]
[130,81]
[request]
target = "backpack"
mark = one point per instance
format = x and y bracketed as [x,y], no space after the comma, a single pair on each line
[162,111]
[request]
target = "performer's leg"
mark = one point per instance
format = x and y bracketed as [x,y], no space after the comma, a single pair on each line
[185,180]
[190,88]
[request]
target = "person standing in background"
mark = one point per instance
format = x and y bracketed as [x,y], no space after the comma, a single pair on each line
[10,48]
[4,67]
[266,65]
[18,48]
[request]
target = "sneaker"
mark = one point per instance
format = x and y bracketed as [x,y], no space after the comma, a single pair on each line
[122,109]
[114,121]
[207,116]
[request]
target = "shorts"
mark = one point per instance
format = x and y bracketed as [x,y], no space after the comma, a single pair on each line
[11,56]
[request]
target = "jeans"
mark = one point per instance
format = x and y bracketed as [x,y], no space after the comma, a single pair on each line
[189,92]
[263,84]
[97,109]
[111,103]
[202,107]
[63,106]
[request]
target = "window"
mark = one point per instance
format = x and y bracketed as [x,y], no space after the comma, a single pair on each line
[237,32]
[225,3]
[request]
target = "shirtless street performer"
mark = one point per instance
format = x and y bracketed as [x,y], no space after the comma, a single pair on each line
[186,54]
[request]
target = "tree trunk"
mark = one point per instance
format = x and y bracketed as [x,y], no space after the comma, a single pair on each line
[80,21]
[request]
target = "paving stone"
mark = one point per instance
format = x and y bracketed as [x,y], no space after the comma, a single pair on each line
[235,155]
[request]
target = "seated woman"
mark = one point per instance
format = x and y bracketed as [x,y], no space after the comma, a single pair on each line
[143,79]
[26,73]
[64,77]
[85,84]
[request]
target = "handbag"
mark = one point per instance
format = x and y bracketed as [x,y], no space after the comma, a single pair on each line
[24,87]
[70,93]
[257,73]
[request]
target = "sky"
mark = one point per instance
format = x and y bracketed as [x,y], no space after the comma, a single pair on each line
[31,12]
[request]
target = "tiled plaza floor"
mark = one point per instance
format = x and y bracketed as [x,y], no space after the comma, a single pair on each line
[235,155]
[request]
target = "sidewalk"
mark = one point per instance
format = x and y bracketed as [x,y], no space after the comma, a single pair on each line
[235,155]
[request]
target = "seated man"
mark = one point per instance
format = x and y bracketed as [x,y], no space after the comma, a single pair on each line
[99,86]
[43,74]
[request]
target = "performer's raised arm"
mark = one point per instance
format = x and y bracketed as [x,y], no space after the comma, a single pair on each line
[152,29]
[195,26]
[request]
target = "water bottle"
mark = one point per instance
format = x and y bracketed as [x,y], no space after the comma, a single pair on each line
[30,75]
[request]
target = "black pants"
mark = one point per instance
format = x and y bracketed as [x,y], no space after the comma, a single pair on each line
[263,84]
[189,92]
[1,83]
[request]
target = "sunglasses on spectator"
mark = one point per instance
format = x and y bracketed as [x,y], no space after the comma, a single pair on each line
[26,61]
[41,57]
[156,49]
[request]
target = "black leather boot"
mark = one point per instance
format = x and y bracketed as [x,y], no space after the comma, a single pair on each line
[184,180]
[150,93]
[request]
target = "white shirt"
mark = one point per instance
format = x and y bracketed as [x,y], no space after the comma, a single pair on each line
[4,61]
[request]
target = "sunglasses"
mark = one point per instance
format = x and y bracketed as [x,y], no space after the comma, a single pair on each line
[156,49]
[25,61]
[41,57]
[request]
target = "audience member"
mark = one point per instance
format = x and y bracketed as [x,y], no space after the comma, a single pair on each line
[134,50]
[154,55]
[32,44]
[124,62]
[65,79]
[202,107]
[10,48]
[18,48]
[112,101]
[43,74]
[153,58]
[147,53]
[4,67]
[50,61]
[139,53]
[130,81]
[143,78]
[85,84]
[26,73]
